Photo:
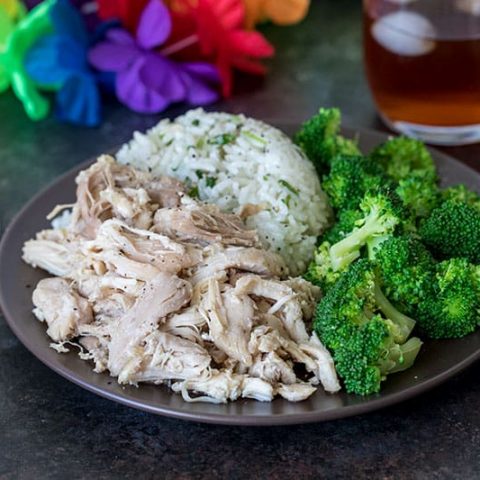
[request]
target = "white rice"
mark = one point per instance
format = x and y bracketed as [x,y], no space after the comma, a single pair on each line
[232,160]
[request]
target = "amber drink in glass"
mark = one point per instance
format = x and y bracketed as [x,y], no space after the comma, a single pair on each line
[422,59]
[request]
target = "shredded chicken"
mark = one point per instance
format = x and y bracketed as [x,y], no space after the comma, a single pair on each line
[61,307]
[154,286]
[204,224]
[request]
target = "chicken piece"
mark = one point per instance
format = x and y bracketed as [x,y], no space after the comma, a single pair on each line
[307,294]
[204,224]
[61,307]
[275,322]
[89,211]
[168,357]
[112,306]
[163,295]
[264,339]
[167,192]
[317,360]
[56,251]
[285,299]
[312,354]
[187,324]
[252,260]
[229,319]
[326,368]
[97,351]
[223,386]
[219,357]
[164,191]
[219,387]
[296,392]
[133,206]
[140,254]
[98,287]
[257,389]
[110,295]
[108,189]
[272,368]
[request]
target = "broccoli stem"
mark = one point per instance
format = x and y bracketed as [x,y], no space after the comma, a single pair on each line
[404,323]
[409,352]
[400,357]
[344,252]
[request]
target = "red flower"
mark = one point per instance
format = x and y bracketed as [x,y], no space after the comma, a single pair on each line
[217,26]
[127,11]
[221,35]
[211,30]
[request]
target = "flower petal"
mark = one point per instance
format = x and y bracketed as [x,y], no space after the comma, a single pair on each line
[155,25]
[132,92]
[119,36]
[111,57]
[78,101]
[231,13]
[200,90]
[253,44]
[205,71]
[254,12]
[286,12]
[67,21]
[163,76]
[43,64]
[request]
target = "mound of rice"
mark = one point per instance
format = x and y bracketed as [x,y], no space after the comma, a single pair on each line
[232,161]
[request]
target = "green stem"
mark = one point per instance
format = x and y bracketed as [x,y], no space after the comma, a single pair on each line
[404,323]
[409,352]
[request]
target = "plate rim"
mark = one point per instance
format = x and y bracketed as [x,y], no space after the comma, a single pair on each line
[212,418]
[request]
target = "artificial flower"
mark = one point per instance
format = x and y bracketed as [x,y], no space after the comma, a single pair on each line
[16,40]
[147,81]
[58,61]
[213,30]
[221,36]
[281,12]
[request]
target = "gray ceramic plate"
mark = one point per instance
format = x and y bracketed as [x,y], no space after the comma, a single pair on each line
[437,361]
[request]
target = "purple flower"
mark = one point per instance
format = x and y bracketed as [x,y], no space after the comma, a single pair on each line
[147,81]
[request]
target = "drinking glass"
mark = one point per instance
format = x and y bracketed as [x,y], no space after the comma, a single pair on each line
[422,59]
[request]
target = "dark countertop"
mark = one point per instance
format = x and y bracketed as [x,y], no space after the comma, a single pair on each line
[50,428]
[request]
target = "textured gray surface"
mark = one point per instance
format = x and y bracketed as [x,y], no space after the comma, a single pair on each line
[50,428]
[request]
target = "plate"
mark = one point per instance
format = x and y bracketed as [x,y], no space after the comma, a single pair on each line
[437,361]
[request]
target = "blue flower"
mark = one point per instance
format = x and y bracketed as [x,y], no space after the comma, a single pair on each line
[59,62]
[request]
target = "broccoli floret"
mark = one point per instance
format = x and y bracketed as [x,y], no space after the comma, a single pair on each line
[366,334]
[407,271]
[451,310]
[321,141]
[383,211]
[453,230]
[320,271]
[460,193]
[346,222]
[401,156]
[350,177]
[419,192]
